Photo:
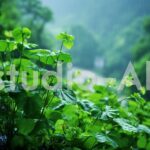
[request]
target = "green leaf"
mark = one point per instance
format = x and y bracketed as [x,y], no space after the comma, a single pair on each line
[105,139]
[68,40]
[137,97]
[128,81]
[148,146]
[109,113]
[17,34]
[65,36]
[71,114]
[68,44]
[87,105]
[67,96]
[89,141]
[125,125]
[20,34]
[59,126]
[143,128]
[45,56]
[25,65]
[30,45]
[7,45]
[72,133]
[33,106]
[26,33]
[64,57]
[36,53]
[142,141]
[53,115]
[25,126]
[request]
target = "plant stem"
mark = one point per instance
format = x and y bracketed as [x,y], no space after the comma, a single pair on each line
[20,63]
[40,76]
[46,103]
[19,68]
[61,47]
[3,67]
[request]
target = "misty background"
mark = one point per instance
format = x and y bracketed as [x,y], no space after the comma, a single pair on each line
[108,33]
[105,31]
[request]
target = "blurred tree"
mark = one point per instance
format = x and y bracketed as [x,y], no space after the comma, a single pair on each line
[9,15]
[30,13]
[85,48]
[120,53]
[116,24]
[141,51]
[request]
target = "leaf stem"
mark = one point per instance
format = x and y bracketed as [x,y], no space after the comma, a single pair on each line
[20,63]
[61,47]
[3,67]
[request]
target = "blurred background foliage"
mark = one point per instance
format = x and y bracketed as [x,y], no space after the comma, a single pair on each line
[111,28]
[141,51]
[27,13]
[108,34]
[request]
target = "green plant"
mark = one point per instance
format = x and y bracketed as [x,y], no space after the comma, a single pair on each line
[77,119]
[23,119]
[32,14]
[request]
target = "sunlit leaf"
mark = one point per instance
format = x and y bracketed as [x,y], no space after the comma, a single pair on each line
[7,45]
[125,125]
[105,139]
[109,113]
[143,128]
[20,34]
[45,56]
[64,57]
[68,40]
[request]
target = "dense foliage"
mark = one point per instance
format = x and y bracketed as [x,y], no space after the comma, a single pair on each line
[26,13]
[77,118]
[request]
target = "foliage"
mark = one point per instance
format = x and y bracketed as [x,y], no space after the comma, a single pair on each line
[140,51]
[67,119]
[122,48]
[25,13]
[115,27]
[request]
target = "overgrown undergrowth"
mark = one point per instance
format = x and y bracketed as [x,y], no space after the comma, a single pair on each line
[64,119]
